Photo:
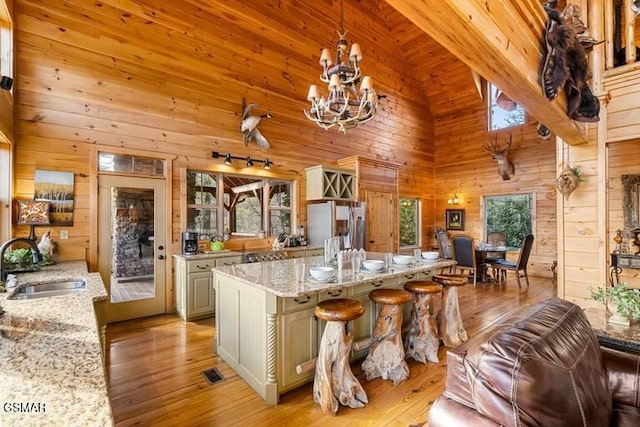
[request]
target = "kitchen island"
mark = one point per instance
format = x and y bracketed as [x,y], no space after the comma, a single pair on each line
[266,329]
[51,363]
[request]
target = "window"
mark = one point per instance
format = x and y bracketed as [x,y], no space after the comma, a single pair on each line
[279,208]
[503,113]
[410,224]
[511,214]
[237,204]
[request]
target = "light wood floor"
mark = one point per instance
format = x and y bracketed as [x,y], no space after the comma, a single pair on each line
[155,365]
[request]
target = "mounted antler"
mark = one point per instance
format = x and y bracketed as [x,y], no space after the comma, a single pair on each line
[505,168]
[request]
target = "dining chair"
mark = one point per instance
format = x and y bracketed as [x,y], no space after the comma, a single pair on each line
[442,237]
[465,255]
[497,238]
[520,266]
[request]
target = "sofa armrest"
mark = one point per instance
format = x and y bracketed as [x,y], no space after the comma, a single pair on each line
[446,413]
[623,374]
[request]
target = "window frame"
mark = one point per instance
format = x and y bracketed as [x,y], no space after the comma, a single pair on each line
[221,212]
[490,89]
[418,222]
[484,205]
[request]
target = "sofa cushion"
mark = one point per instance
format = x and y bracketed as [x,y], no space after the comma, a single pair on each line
[540,367]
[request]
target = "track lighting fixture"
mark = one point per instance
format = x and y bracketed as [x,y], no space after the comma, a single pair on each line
[266,164]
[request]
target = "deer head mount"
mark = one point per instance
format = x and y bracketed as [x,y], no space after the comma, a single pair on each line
[505,167]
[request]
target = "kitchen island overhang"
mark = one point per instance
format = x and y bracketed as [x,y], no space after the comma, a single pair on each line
[265,325]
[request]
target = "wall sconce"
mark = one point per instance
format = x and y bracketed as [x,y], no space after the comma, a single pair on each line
[266,164]
[454,200]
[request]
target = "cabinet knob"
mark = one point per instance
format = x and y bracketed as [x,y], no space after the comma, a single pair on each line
[160,256]
[335,293]
[161,248]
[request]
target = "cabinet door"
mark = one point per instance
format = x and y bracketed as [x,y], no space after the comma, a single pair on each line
[200,295]
[298,344]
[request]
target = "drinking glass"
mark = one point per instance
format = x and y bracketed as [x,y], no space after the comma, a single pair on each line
[388,259]
[355,264]
[417,254]
[299,269]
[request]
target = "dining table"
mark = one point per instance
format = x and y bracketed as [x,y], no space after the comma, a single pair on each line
[488,254]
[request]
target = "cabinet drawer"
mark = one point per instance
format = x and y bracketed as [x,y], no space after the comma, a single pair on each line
[332,294]
[221,262]
[302,302]
[372,284]
[200,265]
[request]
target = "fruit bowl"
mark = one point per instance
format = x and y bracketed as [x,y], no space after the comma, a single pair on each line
[321,273]
[373,264]
[430,255]
[402,259]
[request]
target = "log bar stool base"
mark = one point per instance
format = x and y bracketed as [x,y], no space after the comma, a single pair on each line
[450,324]
[422,341]
[386,354]
[334,382]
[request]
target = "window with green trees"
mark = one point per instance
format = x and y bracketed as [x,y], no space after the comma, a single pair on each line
[512,214]
[409,222]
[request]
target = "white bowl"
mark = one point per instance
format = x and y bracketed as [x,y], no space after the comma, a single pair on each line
[373,264]
[321,273]
[402,259]
[430,255]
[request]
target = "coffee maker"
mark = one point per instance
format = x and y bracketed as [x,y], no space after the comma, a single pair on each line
[189,243]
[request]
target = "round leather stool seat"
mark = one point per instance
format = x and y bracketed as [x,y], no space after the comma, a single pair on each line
[450,279]
[340,309]
[423,287]
[390,296]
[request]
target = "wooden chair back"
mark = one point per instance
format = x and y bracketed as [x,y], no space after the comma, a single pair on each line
[497,238]
[525,251]
[442,237]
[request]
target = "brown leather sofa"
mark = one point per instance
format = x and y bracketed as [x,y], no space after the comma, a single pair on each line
[542,366]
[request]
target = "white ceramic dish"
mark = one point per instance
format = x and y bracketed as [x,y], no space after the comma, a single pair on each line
[373,264]
[331,278]
[402,259]
[321,273]
[430,255]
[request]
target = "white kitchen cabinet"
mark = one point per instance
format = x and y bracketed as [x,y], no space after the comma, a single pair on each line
[326,183]
[194,292]
[314,252]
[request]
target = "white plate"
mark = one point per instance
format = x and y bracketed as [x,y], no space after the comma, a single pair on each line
[365,271]
[327,280]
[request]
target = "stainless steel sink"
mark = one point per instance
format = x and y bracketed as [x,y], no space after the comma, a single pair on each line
[49,289]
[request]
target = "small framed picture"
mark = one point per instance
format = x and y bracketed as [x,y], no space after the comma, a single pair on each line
[455,219]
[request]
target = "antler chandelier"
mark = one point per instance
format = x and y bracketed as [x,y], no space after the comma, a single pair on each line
[345,106]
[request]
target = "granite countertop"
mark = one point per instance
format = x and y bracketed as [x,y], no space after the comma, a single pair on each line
[227,252]
[50,354]
[278,277]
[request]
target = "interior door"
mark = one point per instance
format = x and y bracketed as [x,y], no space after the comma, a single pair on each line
[131,245]
[381,221]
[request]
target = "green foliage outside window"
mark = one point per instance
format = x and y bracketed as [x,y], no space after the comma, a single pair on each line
[510,214]
[409,224]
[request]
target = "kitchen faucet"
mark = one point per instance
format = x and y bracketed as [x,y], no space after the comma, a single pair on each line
[35,253]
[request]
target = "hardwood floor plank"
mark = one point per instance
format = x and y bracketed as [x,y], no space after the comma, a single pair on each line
[155,373]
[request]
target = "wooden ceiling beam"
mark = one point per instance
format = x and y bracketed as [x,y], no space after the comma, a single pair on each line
[502,41]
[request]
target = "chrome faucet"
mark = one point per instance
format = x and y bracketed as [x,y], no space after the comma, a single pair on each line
[35,253]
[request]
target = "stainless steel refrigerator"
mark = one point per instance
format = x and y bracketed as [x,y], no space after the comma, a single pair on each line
[329,219]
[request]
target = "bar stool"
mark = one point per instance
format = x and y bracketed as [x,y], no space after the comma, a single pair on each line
[386,354]
[422,341]
[334,382]
[450,324]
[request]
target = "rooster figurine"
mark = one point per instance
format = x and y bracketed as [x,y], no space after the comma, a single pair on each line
[45,246]
[249,126]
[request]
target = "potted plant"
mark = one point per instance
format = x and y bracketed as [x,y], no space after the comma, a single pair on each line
[624,301]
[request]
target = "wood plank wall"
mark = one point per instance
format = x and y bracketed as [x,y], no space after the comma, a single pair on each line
[463,167]
[168,78]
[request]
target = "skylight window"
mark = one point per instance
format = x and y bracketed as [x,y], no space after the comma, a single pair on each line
[503,113]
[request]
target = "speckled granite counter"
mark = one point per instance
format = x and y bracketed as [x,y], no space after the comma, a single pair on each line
[613,334]
[278,277]
[51,369]
[227,253]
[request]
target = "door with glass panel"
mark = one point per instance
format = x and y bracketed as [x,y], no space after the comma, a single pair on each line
[132,242]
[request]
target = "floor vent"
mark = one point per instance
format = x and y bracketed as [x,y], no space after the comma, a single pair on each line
[212,375]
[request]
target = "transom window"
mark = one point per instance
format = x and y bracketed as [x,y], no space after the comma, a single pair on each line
[503,113]
[240,205]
